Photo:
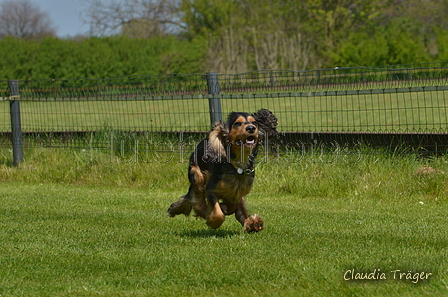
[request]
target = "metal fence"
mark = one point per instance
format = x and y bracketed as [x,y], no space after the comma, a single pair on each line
[400,101]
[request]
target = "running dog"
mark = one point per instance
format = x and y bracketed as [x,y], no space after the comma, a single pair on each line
[222,172]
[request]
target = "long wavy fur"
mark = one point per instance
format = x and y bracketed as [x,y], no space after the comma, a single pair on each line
[267,122]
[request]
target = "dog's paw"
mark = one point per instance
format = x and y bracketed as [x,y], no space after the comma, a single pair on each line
[183,206]
[253,224]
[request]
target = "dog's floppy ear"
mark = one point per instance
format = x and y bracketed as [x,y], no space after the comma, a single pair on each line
[217,142]
[267,122]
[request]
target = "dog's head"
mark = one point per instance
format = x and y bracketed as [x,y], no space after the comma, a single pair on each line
[243,130]
[241,133]
[246,129]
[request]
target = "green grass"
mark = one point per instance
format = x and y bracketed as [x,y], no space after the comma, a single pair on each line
[92,228]
[412,111]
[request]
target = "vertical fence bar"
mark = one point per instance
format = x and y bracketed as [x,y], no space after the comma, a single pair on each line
[16,126]
[214,100]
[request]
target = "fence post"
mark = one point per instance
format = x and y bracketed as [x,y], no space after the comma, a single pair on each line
[214,100]
[16,126]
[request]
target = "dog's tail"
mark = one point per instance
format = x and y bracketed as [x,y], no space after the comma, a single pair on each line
[267,122]
[182,206]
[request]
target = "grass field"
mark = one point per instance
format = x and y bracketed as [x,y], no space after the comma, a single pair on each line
[88,228]
[409,111]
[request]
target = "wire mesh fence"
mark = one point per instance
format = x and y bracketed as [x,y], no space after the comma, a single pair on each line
[393,99]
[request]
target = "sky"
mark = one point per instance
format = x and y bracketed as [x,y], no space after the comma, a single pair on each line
[65,16]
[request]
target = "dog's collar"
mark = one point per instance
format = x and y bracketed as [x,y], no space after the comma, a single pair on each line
[242,170]
[247,171]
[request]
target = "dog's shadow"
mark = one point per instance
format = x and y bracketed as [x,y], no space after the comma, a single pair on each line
[205,233]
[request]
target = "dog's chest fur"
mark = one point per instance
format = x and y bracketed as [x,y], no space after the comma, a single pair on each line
[233,187]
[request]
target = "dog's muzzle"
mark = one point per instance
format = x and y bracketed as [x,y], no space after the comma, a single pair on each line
[251,129]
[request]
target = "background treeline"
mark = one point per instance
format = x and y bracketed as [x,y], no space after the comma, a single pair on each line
[98,57]
[195,36]
[310,34]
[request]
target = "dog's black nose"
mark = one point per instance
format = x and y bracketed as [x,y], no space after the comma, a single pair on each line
[251,129]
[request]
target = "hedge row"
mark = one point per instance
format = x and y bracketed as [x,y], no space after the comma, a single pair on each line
[55,58]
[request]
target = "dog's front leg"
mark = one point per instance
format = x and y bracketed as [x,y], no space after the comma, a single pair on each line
[250,224]
[241,212]
[216,216]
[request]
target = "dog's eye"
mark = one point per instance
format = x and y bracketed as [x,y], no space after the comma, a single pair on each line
[237,124]
[254,123]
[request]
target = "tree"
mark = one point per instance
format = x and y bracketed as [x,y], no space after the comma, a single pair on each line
[132,18]
[23,19]
[271,34]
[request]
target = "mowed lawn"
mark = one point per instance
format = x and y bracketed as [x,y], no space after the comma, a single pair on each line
[409,111]
[91,229]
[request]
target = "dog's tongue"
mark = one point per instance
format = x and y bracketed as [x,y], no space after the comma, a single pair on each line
[250,140]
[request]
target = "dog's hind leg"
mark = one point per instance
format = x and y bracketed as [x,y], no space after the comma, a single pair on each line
[182,206]
[199,204]
[192,200]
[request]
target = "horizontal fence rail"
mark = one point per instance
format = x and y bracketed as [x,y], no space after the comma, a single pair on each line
[402,99]
[255,82]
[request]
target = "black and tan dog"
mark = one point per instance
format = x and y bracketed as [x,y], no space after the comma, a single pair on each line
[222,172]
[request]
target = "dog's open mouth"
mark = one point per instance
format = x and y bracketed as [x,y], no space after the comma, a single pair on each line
[249,141]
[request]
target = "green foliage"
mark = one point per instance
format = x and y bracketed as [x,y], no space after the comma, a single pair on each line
[185,57]
[203,17]
[405,42]
[98,57]
[244,35]
[17,58]
[362,50]
[397,43]
[442,44]
[315,34]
